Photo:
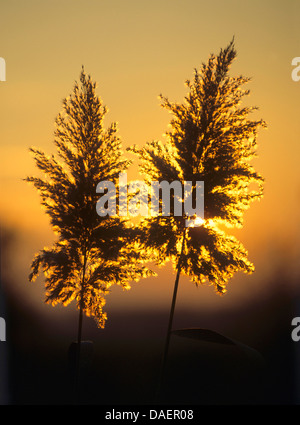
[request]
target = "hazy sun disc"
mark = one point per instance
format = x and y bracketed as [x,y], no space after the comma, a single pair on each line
[196,222]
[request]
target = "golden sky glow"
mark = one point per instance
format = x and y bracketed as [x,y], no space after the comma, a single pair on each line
[136,50]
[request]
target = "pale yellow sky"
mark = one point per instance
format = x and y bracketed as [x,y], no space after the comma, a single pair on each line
[136,50]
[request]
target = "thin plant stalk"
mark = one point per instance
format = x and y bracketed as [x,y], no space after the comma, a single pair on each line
[79,334]
[169,330]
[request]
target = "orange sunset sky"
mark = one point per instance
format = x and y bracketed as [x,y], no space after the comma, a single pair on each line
[136,50]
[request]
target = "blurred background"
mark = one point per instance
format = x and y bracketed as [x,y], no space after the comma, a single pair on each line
[136,50]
